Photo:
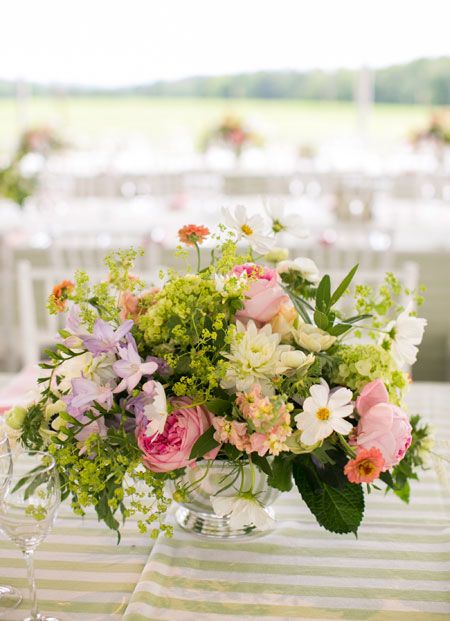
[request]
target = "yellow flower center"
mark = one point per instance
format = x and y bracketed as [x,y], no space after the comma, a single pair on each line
[323,413]
[366,468]
[246,229]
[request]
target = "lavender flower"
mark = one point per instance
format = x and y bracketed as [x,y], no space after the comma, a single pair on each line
[84,393]
[163,368]
[131,368]
[104,339]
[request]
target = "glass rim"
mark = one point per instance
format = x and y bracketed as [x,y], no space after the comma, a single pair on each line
[51,465]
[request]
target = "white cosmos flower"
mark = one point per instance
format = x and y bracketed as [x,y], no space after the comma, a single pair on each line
[305,266]
[284,222]
[243,511]
[407,333]
[254,358]
[324,412]
[255,229]
[155,412]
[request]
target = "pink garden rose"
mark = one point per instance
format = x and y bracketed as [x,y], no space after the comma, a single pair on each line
[170,449]
[264,295]
[382,425]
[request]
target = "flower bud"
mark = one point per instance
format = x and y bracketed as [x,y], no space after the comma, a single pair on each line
[15,417]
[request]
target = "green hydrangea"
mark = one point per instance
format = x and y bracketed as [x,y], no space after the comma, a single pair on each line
[360,364]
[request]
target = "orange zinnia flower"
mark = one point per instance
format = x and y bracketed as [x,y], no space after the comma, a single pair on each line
[192,234]
[366,466]
[60,293]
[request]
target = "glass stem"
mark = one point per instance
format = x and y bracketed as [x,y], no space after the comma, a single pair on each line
[29,559]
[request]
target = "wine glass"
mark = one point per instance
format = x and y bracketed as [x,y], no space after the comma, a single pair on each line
[28,509]
[10,597]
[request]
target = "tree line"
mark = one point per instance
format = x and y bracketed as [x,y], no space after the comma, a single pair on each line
[423,81]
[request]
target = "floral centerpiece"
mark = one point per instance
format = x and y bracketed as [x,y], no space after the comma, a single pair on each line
[245,363]
[436,133]
[233,134]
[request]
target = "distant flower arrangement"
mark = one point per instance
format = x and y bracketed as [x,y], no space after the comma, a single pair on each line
[15,184]
[436,133]
[43,140]
[245,361]
[232,133]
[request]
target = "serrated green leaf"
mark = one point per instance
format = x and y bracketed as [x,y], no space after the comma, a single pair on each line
[204,444]
[342,288]
[339,510]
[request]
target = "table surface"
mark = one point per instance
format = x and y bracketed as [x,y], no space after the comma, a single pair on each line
[397,570]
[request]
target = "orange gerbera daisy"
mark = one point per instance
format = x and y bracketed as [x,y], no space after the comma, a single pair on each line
[192,234]
[60,293]
[366,466]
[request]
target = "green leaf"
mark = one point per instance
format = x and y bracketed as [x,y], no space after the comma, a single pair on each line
[339,510]
[386,477]
[323,294]
[321,320]
[231,451]
[300,307]
[219,407]
[204,444]
[404,492]
[262,463]
[281,477]
[342,288]
[338,329]
[104,512]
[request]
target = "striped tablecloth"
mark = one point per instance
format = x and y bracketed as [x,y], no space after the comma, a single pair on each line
[397,570]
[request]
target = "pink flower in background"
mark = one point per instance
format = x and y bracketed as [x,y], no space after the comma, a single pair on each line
[129,305]
[170,449]
[264,294]
[382,425]
[365,467]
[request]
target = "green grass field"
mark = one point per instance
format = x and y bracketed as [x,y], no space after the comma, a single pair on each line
[165,121]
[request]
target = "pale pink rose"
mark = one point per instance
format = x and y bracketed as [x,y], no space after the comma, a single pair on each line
[382,425]
[264,294]
[170,449]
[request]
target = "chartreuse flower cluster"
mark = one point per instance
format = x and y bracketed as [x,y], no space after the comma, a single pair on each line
[250,359]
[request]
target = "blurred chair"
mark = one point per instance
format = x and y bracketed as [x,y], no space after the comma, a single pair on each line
[38,329]
[82,250]
[342,245]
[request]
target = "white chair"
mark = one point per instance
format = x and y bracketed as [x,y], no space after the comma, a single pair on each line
[38,329]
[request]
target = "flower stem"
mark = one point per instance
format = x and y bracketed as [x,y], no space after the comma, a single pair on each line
[346,446]
[197,248]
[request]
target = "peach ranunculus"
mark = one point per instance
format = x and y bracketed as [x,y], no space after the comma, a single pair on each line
[283,322]
[264,294]
[171,449]
[365,467]
[382,425]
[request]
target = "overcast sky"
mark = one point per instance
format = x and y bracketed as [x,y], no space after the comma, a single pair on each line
[118,42]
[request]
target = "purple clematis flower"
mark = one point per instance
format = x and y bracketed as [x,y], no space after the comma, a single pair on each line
[104,338]
[84,393]
[131,368]
[163,368]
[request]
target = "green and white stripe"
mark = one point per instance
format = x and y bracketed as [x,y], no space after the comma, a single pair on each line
[397,570]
